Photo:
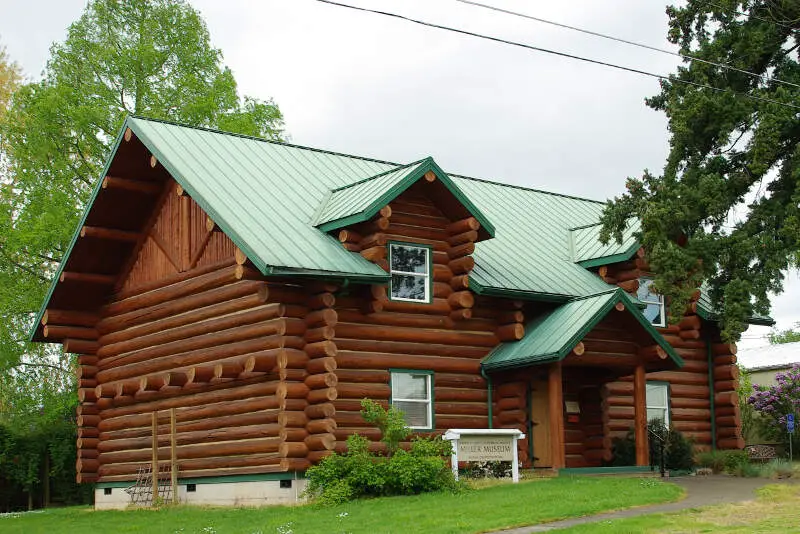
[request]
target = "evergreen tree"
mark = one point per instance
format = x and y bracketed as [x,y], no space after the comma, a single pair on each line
[727,207]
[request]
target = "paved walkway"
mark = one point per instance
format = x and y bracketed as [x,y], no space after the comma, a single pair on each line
[700,491]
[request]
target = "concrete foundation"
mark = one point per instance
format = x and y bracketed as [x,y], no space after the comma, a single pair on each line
[255,493]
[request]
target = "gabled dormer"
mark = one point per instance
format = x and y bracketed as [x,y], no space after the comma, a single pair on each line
[418,226]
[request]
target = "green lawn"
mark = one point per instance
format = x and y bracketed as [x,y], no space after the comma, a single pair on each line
[776,510]
[490,508]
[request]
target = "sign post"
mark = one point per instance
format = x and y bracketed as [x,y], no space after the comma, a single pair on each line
[485,445]
[790,430]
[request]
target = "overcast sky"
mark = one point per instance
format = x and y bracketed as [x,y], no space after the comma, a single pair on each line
[369,85]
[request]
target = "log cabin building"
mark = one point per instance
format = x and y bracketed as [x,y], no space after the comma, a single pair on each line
[262,290]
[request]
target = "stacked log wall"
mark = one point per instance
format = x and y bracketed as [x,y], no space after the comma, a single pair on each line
[448,336]
[206,336]
[689,389]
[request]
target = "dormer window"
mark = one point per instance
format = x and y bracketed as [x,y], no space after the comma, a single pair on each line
[655,303]
[410,267]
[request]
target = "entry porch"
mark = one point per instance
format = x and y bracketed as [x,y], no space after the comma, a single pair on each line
[551,384]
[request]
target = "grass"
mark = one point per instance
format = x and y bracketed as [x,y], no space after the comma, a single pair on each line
[490,508]
[775,510]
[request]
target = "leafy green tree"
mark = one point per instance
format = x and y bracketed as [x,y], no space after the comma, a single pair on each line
[10,78]
[146,57]
[727,206]
[790,335]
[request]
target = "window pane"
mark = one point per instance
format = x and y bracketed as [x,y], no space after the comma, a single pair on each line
[653,413]
[653,313]
[644,294]
[406,286]
[409,259]
[416,413]
[409,386]
[657,395]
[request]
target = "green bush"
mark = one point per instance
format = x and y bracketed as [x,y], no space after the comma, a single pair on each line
[714,460]
[778,468]
[359,473]
[735,460]
[746,470]
[678,450]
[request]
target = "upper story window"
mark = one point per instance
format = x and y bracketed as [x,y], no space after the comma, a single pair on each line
[658,401]
[654,311]
[410,268]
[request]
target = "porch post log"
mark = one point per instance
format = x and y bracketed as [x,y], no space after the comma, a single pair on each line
[640,415]
[556,402]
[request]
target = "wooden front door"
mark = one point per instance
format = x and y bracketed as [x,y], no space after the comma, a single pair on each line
[540,415]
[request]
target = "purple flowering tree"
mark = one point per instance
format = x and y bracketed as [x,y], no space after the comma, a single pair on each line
[774,402]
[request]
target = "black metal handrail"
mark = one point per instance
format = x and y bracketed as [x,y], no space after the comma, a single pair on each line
[661,446]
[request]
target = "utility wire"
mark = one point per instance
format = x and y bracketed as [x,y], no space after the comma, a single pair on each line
[561,54]
[633,43]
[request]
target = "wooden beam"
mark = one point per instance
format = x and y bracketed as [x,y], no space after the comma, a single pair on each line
[153,161]
[70,317]
[128,134]
[77,332]
[154,460]
[111,234]
[135,186]
[555,396]
[640,414]
[88,278]
[430,176]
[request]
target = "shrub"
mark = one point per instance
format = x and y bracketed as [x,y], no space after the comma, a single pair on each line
[358,473]
[747,470]
[714,460]
[778,468]
[773,403]
[734,461]
[678,450]
[489,469]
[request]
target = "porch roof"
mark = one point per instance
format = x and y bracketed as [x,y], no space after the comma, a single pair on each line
[551,336]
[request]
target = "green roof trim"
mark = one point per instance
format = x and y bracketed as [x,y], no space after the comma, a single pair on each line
[360,201]
[588,251]
[551,336]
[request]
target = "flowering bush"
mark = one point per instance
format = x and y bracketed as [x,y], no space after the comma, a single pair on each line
[776,401]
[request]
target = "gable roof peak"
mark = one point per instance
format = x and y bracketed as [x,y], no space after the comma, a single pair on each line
[359,201]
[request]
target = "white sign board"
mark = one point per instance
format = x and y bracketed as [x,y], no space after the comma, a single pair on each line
[486,449]
[485,445]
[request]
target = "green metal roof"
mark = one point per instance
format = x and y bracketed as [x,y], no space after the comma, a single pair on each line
[551,336]
[267,197]
[706,310]
[588,251]
[360,201]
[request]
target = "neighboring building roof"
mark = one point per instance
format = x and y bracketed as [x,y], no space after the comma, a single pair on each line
[705,309]
[360,201]
[588,251]
[551,336]
[779,356]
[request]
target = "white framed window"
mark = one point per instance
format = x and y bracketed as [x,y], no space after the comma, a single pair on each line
[658,401]
[410,268]
[654,311]
[412,393]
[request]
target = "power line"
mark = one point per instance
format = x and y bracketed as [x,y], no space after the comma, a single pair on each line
[560,54]
[632,43]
